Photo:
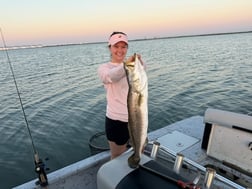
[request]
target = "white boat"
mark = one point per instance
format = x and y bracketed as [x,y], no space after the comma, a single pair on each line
[214,151]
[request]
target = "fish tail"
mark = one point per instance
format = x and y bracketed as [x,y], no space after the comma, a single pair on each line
[133,161]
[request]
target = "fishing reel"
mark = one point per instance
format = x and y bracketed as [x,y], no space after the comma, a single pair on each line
[40,170]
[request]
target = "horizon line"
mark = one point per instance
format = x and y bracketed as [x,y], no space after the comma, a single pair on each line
[137,39]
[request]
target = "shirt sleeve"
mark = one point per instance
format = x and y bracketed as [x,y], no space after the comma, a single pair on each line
[111,74]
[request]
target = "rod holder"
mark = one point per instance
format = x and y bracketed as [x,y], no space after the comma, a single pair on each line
[178,163]
[209,177]
[154,149]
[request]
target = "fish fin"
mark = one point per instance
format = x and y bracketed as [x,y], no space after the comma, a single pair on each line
[146,141]
[145,144]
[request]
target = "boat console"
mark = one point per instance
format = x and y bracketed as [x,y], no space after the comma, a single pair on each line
[228,138]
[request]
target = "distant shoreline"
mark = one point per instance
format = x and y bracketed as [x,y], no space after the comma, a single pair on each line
[141,39]
[196,35]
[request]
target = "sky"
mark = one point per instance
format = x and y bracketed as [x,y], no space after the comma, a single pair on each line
[52,22]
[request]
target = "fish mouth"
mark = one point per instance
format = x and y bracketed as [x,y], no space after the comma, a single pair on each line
[131,61]
[130,64]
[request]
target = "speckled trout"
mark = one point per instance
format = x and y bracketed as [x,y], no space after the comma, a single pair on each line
[137,108]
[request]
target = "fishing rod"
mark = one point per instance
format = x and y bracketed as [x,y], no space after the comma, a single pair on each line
[39,165]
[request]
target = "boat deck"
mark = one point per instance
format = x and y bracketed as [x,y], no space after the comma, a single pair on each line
[187,141]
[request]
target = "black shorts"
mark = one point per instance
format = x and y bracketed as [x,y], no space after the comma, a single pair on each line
[117,131]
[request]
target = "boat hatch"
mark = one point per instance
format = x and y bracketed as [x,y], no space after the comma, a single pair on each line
[177,141]
[228,138]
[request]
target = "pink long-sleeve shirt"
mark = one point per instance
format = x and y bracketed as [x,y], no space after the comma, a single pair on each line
[115,82]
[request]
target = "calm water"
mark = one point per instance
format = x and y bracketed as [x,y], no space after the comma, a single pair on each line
[65,102]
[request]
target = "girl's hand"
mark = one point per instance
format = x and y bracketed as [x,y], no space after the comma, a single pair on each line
[139,57]
[132,58]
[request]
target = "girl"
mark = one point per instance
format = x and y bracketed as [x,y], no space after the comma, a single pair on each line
[113,76]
